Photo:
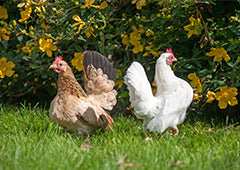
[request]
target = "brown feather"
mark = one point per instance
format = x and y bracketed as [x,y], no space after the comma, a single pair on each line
[67,83]
[73,109]
[98,61]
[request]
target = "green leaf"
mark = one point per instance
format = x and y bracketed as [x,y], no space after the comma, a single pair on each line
[175,11]
[4,43]
[124,94]
[81,38]
[25,58]
[232,46]
[44,76]
[33,66]
[230,64]
[20,38]
[78,48]
[109,36]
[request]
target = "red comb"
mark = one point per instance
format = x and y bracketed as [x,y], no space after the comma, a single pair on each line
[57,59]
[169,50]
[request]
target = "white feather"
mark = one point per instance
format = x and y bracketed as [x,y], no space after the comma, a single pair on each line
[168,107]
[140,92]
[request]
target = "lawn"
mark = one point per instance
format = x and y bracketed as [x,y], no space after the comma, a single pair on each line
[28,140]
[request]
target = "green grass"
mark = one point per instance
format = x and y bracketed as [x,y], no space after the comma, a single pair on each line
[28,140]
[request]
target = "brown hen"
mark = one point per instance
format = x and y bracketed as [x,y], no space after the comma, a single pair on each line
[76,110]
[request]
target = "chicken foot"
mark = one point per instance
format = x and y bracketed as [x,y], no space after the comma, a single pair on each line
[174,131]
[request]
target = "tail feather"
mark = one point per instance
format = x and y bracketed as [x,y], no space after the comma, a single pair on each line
[99,61]
[137,83]
[106,121]
[100,76]
[140,92]
[97,81]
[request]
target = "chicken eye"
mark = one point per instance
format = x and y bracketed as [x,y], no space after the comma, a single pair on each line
[60,64]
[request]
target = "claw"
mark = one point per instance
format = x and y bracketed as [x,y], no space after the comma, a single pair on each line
[174,131]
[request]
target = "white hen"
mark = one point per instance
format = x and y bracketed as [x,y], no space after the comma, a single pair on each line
[168,107]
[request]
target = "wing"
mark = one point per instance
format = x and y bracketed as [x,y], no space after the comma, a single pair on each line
[174,108]
[91,118]
[140,92]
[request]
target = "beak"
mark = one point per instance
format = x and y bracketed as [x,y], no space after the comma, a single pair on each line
[53,66]
[174,59]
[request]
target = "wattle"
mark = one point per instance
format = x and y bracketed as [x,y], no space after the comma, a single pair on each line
[57,70]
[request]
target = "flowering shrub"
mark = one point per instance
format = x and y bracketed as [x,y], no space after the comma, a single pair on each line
[6,68]
[204,36]
[195,27]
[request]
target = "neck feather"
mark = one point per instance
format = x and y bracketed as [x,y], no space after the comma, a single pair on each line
[67,84]
[165,79]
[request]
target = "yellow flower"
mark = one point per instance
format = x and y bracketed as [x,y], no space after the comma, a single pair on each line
[25,15]
[137,47]
[149,33]
[235,19]
[89,31]
[120,81]
[149,48]
[44,26]
[195,27]
[54,85]
[6,68]
[26,49]
[89,3]
[195,83]
[103,5]
[219,54]
[26,4]
[3,33]
[15,76]
[125,40]
[3,13]
[133,39]
[29,47]
[155,88]
[134,36]
[46,45]
[210,96]
[80,22]
[40,5]
[227,96]
[139,4]
[119,73]
[196,96]
[131,109]
[77,61]
[14,23]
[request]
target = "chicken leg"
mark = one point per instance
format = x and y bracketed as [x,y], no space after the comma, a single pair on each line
[174,131]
